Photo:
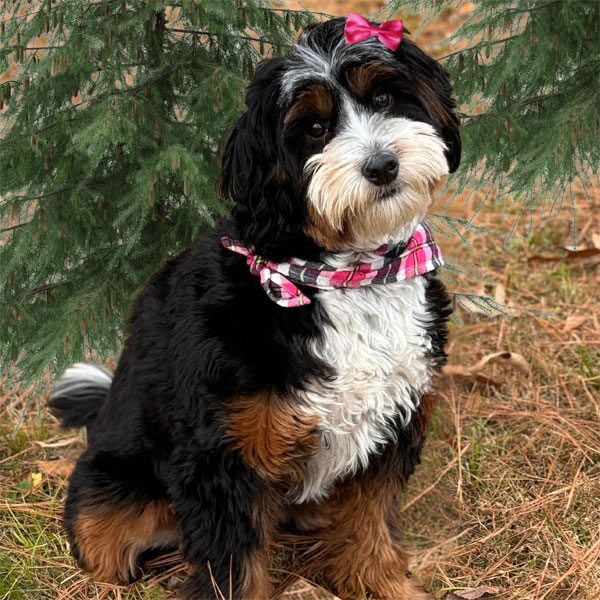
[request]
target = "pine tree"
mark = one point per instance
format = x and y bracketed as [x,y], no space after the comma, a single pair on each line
[114,116]
[526,77]
[526,74]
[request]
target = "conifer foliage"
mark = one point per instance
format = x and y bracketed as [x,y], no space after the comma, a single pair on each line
[114,116]
[527,74]
[115,113]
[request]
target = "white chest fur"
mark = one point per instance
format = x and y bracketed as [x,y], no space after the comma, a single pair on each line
[377,346]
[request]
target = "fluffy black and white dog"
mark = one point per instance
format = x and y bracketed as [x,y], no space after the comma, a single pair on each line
[230,418]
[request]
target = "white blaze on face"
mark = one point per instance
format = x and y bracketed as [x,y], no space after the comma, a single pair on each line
[367,215]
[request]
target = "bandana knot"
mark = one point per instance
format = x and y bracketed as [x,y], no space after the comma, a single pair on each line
[391,263]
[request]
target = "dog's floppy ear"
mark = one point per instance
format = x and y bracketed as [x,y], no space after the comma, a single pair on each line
[433,86]
[247,157]
[250,175]
[450,124]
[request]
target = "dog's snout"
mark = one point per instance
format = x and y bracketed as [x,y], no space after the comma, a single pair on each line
[381,168]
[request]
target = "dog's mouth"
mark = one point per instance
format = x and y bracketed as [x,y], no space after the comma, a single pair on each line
[387,192]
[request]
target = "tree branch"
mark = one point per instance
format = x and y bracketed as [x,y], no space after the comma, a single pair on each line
[241,37]
[529,10]
[594,96]
[13,227]
[55,193]
[481,45]
[283,10]
[44,288]
[513,106]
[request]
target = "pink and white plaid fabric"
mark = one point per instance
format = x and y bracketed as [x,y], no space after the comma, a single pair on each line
[392,263]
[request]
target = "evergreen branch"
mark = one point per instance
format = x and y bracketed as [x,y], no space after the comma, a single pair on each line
[295,10]
[515,11]
[13,227]
[216,67]
[481,45]
[240,37]
[485,303]
[132,89]
[45,9]
[55,193]
[35,131]
[100,288]
[44,288]
[513,106]
[594,96]
[457,269]
[271,9]
[467,224]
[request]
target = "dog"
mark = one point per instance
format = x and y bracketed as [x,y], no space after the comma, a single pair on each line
[256,393]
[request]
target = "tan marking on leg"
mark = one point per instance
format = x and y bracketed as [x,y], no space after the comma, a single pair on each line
[256,584]
[355,552]
[110,540]
[271,435]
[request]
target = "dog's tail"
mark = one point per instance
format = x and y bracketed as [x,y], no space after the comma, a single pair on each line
[79,394]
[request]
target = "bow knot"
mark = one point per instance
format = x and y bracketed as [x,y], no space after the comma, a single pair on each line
[358,29]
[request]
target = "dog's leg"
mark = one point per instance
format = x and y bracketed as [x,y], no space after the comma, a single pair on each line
[356,527]
[357,555]
[222,511]
[111,519]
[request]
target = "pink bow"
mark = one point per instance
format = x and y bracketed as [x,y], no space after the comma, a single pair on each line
[358,29]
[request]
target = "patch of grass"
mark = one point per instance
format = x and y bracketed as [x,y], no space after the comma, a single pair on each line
[590,365]
[520,511]
[16,441]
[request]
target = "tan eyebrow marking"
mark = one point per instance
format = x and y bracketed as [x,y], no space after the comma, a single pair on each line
[313,101]
[362,79]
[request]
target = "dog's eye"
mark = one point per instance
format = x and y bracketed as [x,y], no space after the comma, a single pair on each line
[382,99]
[316,129]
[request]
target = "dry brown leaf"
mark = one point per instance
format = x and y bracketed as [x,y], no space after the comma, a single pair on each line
[585,253]
[515,359]
[467,373]
[596,240]
[572,322]
[457,370]
[483,591]
[474,372]
[35,480]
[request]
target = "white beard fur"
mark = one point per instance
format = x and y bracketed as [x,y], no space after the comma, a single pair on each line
[378,349]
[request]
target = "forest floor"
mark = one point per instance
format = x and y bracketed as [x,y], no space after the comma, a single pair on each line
[507,495]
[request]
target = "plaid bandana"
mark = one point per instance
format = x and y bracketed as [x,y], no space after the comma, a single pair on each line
[392,263]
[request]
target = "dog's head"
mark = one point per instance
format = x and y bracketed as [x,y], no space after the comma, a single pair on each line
[340,145]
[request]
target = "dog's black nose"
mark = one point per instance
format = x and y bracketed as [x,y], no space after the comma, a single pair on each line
[381,168]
